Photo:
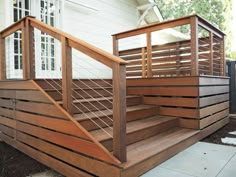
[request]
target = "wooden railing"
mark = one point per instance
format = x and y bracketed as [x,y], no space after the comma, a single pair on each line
[201,54]
[26,25]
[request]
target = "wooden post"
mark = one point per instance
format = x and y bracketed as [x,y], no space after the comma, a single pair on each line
[149,54]
[194,46]
[30,50]
[211,57]
[24,51]
[222,57]
[178,63]
[143,63]
[115,46]
[119,111]
[2,58]
[66,75]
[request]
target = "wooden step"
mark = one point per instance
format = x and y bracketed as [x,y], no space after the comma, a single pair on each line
[96,104]
[138,130]
[133,113]
[144,155]
[82,93]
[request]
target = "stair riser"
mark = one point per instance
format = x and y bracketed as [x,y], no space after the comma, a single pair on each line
[144,133]
[102,105]
[134,115]
[78,94]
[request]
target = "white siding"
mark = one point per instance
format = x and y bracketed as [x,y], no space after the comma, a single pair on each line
[95,25]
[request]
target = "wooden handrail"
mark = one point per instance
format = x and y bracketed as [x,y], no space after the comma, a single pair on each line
[26,25]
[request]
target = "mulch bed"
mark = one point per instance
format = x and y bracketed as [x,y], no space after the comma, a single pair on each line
[222,133]
[13,163]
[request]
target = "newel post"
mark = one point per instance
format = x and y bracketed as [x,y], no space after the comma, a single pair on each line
[222,57]
[2,58]
[28,57]
[119,111]
[149,54]
[194,46]
[66,74]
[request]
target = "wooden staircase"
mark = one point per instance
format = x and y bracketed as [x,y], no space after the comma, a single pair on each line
[148,133]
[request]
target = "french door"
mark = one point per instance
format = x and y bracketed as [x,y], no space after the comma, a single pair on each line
[47,60]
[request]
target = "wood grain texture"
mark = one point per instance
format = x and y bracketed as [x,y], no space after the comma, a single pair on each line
[213,109]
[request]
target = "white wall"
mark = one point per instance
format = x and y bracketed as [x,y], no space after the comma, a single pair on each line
[94,23]
[2,14]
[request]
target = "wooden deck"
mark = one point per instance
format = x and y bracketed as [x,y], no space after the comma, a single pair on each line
[171,96]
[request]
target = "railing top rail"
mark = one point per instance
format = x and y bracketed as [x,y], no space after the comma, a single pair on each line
[169,24]
[88,49]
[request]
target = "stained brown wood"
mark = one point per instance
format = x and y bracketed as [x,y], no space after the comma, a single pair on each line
[8,122]
[24,46]
[171,101]
[66,53]
[64,126]
[18,85]
[119,112]
[211,53]
[206,101]
[143,63]
[194,45]
[211,90]
[61,167]
[149,54]
[179,112]
[31,95]
[2,58]
[167,91]
[8,131]
[70,157]
[213,109]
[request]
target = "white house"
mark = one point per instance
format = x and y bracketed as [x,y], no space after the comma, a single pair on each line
[93,21]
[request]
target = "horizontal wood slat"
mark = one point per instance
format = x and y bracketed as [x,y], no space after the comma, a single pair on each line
[165,91]
[8,122]
[179,112]
[31,95]
[212,90]
[18,85]
[206,101]
[213,109]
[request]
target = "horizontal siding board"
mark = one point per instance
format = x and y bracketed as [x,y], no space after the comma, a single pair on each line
[51,123]
[67,141]
[164,91]
[213,81]
[213,118]
[189,123]
[206,101]
[17,85]
[7,130]
[7,112]
[171,101]
[213,109]
[7,103]
[7,93]
[31,95]
[174,81]
[8,122]
[88,164]
[7,139]
[61,167]
[40,108]
[179,112]
[211,90]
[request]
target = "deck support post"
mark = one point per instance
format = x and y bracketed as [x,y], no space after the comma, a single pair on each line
[24,51]
[149,55]
[66,75]
[2,58]
[194,46]
[119,111]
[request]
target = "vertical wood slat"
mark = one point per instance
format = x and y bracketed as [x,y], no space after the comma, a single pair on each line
[177,59]
[119,112]
[149,54]
[66,75]
[194,46]
[2,58]
[211,53]
[143,63]
[222,57]
[30,50]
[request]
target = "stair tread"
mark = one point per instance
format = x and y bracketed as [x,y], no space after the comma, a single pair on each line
[133,126]
[139,151]
[97,99]
[80,117]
